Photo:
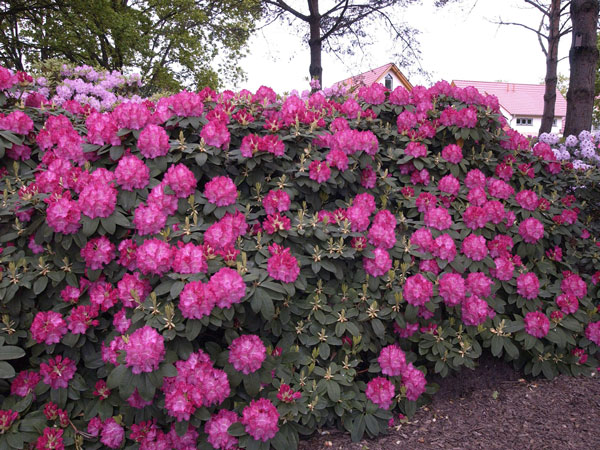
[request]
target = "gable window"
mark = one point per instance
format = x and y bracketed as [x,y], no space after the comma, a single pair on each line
[525,121]
[389,81]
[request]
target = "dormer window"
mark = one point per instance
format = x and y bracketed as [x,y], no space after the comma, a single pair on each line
[389,81]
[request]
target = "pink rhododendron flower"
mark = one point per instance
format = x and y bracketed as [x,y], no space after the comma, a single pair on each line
[221,191]
[567,303]
[112,434]
[415,382]
[423,240]
[17,121]
[501,245]
[417,290]
[368,178]
[131,115]
[379,265]
[475,217]
[425,201]
[154,257]
[48,327]
[260,419]
[228,287]
[380,391]
[319,171]
[475,247]
[102,129]
[429,265]
[133,288]
[121,322]
[24,383]
[528,285]
[416,149]
[189,258]
[132,173]
[247,353]
[63,215]
[276,222]
[499,189]
[474,310]
[144,350]
[382,232]
[527,199]
[70,294]
[282,265]
[438,218]
[153,142]
[496,213]
[287,395]
[452,153]
[452,288]
[592,332]
[392,360]
[504,269]
[573,284]
[445,248]
[51,438]
[164,202]
[196,300]
[181,180]
[338,159]
[479,284]
[477,196]
[475,178]
[531,230]
[98,252]
[103,295]
[57,372]
[216,134]
[449,184]
[149,219]
[216,429]
[276,200]
[537,324]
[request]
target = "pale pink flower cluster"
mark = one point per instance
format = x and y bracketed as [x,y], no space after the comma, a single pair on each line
[132,173]
[379,265]
[153,142]
[181,180]
[282,265]
[216,429]
[380,391]
[382,232]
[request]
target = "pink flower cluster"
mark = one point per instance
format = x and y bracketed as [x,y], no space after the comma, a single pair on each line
[221,191]
[260,419]
[144,350]
[282,265]
[247,353]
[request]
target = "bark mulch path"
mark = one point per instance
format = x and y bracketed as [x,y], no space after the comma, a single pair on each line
[493,407]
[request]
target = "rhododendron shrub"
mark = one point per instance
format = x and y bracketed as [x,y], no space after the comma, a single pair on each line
[223,270]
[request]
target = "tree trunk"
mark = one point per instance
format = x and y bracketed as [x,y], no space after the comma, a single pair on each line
[551,70]
[583,58]
[316,69]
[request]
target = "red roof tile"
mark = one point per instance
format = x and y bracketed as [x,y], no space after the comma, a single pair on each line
[517,98]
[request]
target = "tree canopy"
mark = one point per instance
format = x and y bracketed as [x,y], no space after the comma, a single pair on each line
[173,43]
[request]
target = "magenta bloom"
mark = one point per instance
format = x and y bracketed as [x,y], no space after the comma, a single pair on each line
[189,258]
[452,288]
[474,310]
[181,180]
[475,247]
[131,287]
[112,434]
[24,383]
[153,142]
[221,191]
[145,350]
[247,353]
[574,285]
[97,200]
[196,300]
[98,252]
[382,233]
[282,265]
[228,287]
[149,219]
[319,171]
[48,327]
[381,392]
[154,256]
[215,133]
[531,230]
[217,427]
[479,284]
[528,285]
[438,218]
[379,265]
[63,215]
[537,324]
[417,290]
[592,332]
[57,372]
[132,173]
[415,382]
[449,184]
[567,303]
[276,200]
[392,360]
[452,153]
[445,248]
[260,419]
[527,199]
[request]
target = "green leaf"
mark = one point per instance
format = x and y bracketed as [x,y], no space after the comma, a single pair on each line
[358,428]
[39,285]
[252,384]
[6,370]
[11,352]
[236,429]
[372,424]
[333,390]
[118,373]
[497,346]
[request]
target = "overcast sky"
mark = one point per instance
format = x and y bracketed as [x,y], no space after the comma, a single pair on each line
[457,42]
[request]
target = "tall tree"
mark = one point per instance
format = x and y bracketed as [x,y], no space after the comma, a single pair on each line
[342,25]
[554,24]
[583,60]
[171,42]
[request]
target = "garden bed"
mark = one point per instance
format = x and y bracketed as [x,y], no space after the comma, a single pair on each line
[493,407]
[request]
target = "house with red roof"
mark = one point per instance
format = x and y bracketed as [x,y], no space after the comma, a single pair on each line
[522,105]
[389,75]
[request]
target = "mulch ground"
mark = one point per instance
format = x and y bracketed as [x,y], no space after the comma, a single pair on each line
[492,407]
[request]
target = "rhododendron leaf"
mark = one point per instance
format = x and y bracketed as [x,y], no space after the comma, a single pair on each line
[372,424]
[252,384]
[89,225]
[497,344]
[333,390]
[267,308]
[511,349]
[236,429]
[116,152]
[116,376]
[59,396]
[358,428]
[14,440]
[109,225]
[39,285]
